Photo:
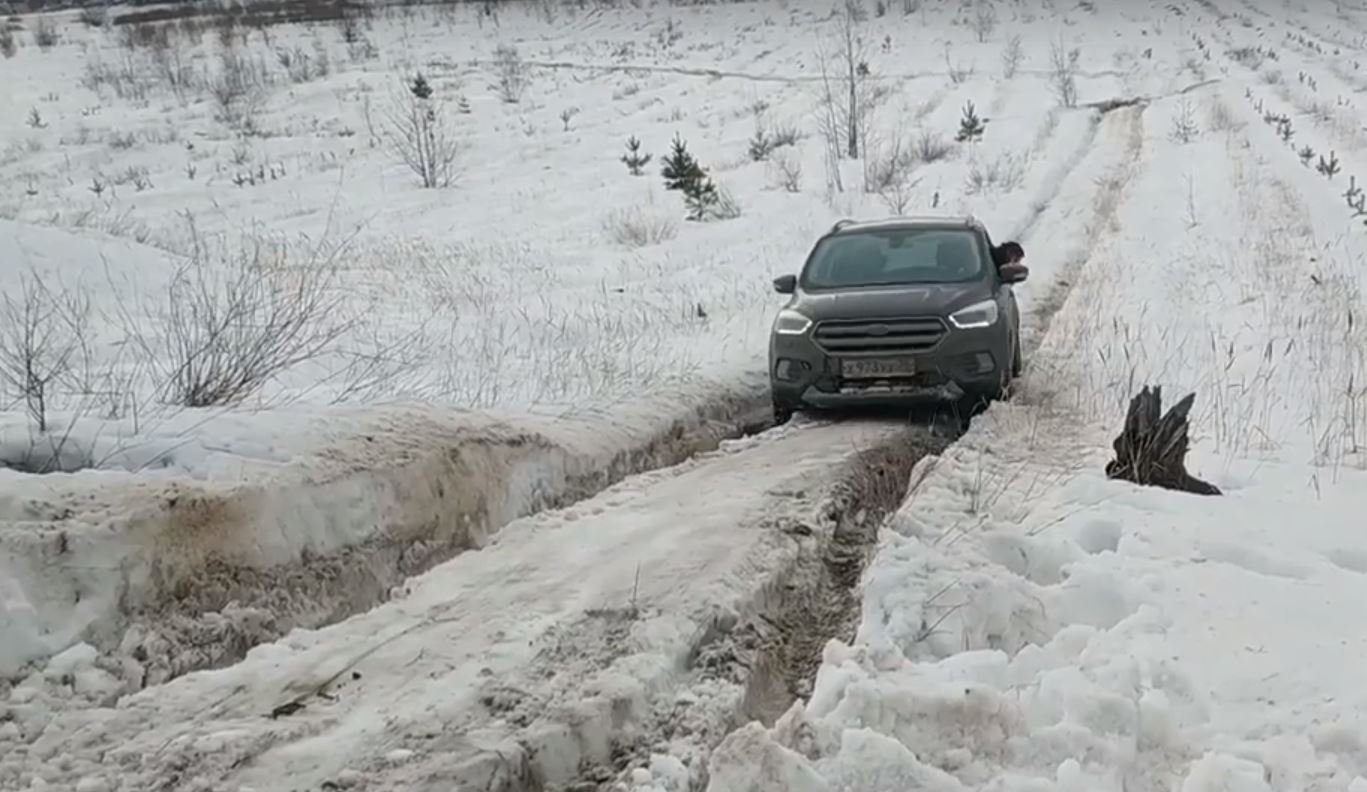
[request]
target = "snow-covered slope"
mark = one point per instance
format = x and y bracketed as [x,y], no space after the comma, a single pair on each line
[1030,625]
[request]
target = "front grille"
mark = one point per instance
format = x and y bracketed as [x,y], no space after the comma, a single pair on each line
[901,336]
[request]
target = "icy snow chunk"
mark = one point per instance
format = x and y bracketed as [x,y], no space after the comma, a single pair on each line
[748,759]
[1358,784]
[869,760]
[1216,772]
[82,655]
[669,773]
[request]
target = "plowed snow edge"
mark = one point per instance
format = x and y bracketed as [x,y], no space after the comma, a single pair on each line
[166,577]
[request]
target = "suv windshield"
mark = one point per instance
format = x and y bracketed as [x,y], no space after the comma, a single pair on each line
[894,256]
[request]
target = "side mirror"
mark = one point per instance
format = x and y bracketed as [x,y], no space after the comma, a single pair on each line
[785,284]
[1013,273]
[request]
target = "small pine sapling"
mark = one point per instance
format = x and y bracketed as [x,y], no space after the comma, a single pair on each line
[1306,154]
[761,145]
[420,88]
[1357,201]
[1328,168]
[680,169]
[700,196]
[1285,132]
[635,159]
[971,127]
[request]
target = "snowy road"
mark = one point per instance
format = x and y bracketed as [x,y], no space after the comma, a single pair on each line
[540,659]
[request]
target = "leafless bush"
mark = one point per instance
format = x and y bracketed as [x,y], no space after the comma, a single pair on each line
[1012,55]
[1219,117]
[1063,65]
[636,228]
[226,328]
[419,135]
[8,44]
[785,169]
[932,147]
[238,89]
[125,77]
[511,76]
[40,333]
[1004,173]
[888,165]
[45,32]
[984,20]
[1184,127]
[958,73]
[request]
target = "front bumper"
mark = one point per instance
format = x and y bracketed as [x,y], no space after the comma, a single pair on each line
[802,373]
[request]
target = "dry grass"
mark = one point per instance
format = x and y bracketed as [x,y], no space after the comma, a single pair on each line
[636,228]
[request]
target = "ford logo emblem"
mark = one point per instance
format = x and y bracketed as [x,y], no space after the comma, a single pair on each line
[878,330]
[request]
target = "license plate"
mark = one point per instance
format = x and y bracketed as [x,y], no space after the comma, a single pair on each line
[874,368]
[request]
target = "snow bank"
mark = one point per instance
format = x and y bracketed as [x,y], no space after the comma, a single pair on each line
[1029,625]
[174,574]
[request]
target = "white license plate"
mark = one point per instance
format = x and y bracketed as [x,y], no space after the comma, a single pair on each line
[874,368]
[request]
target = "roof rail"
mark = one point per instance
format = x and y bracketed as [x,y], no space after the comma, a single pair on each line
[842,223]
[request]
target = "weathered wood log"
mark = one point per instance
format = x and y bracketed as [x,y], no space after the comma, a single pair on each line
[1152,450]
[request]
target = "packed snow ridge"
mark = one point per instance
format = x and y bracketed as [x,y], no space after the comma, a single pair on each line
[230,283]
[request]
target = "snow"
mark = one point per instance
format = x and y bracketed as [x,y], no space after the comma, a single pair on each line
[1029,624]
[1026,624]
[541,649]
[549,325]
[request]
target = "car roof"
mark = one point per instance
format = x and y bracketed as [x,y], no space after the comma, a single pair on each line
[945,221]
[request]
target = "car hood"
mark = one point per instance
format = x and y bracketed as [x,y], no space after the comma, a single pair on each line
[937,299]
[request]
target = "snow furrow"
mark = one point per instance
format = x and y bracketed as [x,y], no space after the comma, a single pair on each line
[179,576]
[576,639]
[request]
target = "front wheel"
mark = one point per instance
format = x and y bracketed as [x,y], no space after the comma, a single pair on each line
[1017,361]
[783,412]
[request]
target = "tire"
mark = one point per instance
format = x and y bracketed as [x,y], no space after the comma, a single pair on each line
[1017,360]
[783,412]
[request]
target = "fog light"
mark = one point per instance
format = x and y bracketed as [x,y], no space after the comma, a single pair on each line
[984,361]
[789,370]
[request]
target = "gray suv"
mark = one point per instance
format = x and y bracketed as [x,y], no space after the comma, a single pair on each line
[889,311]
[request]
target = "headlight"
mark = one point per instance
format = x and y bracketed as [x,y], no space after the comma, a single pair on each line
[983,314]
[790,322]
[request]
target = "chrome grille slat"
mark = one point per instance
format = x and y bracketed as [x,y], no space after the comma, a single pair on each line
[892,336]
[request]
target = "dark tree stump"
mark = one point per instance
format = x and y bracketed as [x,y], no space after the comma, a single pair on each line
[1152,451]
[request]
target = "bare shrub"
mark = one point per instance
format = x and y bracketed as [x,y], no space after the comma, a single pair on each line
[1012,55]
[1219,118]
[9,45]
[511,76]
[957,72]
[1184,127]
[419,135]
[45,35]
[932,147]
[126,77]
[636,228]
[888,164]
[230,323]
[238,89]
[984,20]
[785,170]
[1005,173]
[41,330]
[1063,66]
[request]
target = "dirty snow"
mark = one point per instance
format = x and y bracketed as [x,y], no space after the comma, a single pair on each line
[1030,625]
[1026,624]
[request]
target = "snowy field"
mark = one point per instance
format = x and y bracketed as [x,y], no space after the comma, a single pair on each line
[1182,175]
